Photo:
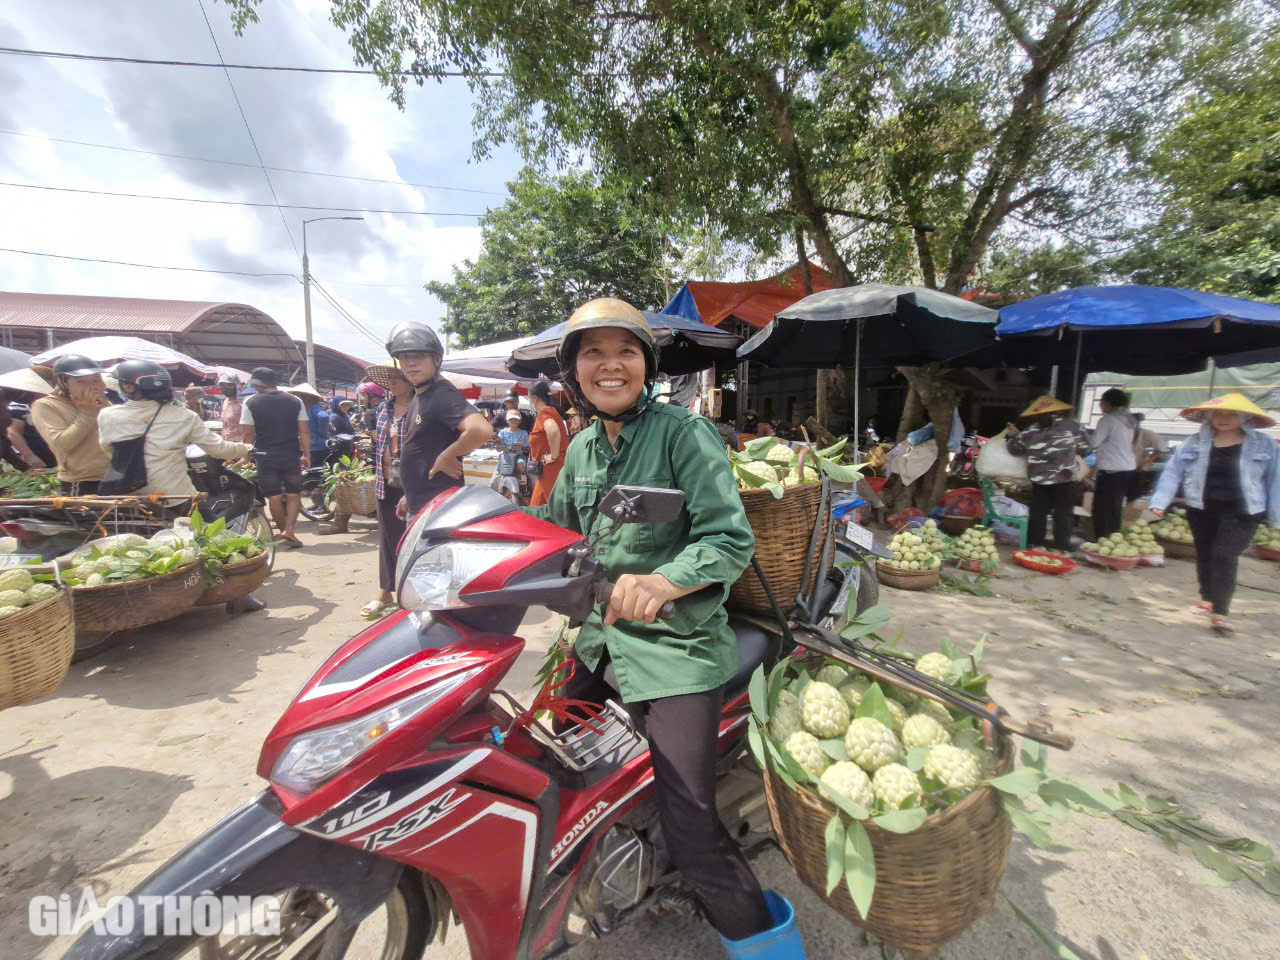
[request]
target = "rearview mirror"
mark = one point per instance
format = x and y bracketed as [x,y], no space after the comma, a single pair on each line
[642,504]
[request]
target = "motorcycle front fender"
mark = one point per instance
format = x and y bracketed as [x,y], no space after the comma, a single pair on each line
[250,853]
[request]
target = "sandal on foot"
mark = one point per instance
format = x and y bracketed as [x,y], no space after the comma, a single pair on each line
[1204,606]
[292,543]
[1221,624]
[372,607]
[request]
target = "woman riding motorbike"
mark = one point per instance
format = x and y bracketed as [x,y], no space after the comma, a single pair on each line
[674,671]
[68,421]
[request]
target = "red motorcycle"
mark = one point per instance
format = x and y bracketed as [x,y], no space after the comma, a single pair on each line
[402,776]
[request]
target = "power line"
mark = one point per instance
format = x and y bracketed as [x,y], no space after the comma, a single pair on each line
[249,130]
[245,163]
[234,203]
[63,55]
[357,325]
[147,266]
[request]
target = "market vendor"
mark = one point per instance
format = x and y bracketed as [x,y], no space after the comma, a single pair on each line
[148,411]
[674,671]
[1050,439]
[68,421]
[1229,474]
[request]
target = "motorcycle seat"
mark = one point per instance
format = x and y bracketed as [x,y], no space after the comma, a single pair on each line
[753,650]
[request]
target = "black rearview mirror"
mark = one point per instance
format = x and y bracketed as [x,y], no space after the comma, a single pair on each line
[642,504]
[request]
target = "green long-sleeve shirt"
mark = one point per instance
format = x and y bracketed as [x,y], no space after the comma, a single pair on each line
[710,542]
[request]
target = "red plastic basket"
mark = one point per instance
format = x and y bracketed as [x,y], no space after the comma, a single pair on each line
[1267,553]
[1027,559]
[1115,563]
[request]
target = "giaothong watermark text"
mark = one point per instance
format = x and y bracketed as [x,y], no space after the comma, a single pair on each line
[201,915]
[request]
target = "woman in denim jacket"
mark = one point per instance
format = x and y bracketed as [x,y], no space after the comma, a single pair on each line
[1230,479]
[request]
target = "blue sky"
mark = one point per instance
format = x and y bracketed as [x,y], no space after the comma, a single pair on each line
[338,124]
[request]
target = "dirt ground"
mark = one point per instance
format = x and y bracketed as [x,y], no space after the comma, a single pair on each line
[149,743]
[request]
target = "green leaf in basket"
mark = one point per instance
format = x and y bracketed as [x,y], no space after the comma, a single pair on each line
[843,802]
[834,748]
[802,680]
[948,648]
[757,448]
[1022,782]
[783,761]
[859,867]
[1030,825]
[774,487]
[757,747]
[1035,755]
[900,821]
[758,692]
[916,757]
[873,705]
[832,450]
[1060,950]
[841,472]
[777,680]
[835,836]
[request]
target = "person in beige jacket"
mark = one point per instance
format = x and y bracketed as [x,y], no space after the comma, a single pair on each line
[68,421]
[148,392]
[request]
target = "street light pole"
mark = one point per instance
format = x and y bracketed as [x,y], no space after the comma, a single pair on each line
[306,296]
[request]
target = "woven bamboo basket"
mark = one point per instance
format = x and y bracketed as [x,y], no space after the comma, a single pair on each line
[35,650]
[907,579]
[782,528]
[355,499]
[137,603]
[931,884]
[1174,548]
[954,524]
[237,581]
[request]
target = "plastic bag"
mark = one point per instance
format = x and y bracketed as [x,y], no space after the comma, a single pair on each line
[995,460]
[1008,507]
[1004,532]
[907,519]
[917,437]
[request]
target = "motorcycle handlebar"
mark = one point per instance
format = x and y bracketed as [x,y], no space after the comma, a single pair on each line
[604,590]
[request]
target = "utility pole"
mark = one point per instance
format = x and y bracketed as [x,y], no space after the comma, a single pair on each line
[306,296]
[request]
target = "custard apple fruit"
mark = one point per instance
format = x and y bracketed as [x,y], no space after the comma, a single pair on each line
[788,696]
[899,714]
[806,751]
[785,722]
[848,780]
[780,453]
[823,711]
[933,708]
[16,580]
[95,580]
[833,675]
[893,783]
[13,598]
[954,766]
[936,665]
[922,730]
[9,611]
[41,592]
[871,745]
[853,690]
[758,468]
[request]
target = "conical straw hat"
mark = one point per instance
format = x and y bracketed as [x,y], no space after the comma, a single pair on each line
[1233,402]
[306,388]
[1045,404]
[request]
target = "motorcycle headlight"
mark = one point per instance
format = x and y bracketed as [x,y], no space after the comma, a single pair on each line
[436,577]
[314,757]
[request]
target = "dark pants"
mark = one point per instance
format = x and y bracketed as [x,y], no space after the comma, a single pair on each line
[1058,498]
[683,736]
[390,530]
[78,488]
[1221,533]
[1108,501]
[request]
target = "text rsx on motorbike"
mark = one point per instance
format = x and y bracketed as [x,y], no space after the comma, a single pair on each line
[399,777]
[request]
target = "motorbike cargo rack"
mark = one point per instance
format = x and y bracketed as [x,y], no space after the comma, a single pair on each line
[580,748]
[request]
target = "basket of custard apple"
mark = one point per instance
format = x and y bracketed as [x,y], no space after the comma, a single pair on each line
[881,800]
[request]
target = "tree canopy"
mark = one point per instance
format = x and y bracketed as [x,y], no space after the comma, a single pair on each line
[556,243]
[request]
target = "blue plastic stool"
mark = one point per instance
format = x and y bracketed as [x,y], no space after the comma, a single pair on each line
[782,942]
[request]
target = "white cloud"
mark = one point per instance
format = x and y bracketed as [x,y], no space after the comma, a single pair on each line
[338,124]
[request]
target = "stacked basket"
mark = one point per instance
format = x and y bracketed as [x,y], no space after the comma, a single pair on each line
[783,528]
[35,649]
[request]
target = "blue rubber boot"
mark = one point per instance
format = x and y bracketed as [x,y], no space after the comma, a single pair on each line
[781,942]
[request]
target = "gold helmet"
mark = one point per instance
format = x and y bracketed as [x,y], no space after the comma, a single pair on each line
[605,312]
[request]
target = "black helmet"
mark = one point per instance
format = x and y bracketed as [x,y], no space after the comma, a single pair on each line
[76,365]
[542,390]
[144,380]
[413,337]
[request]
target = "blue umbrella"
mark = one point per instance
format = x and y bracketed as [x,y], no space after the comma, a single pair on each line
[684,346]
[1136,329]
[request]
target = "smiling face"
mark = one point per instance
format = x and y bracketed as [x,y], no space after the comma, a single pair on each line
[610,367]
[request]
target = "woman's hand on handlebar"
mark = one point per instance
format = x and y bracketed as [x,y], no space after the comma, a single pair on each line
[640,597]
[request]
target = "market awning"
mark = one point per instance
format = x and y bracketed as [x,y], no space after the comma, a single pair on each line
[753,301]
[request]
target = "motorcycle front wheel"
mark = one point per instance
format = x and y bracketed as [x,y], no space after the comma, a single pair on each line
[314,506]
[395,931]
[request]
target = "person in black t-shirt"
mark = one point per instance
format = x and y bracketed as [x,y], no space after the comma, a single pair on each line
[276,424]
[443,426]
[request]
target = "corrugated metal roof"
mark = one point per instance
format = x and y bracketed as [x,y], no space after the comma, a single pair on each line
[60,312]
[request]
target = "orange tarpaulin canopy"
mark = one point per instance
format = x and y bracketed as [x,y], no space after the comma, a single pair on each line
[754,302]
